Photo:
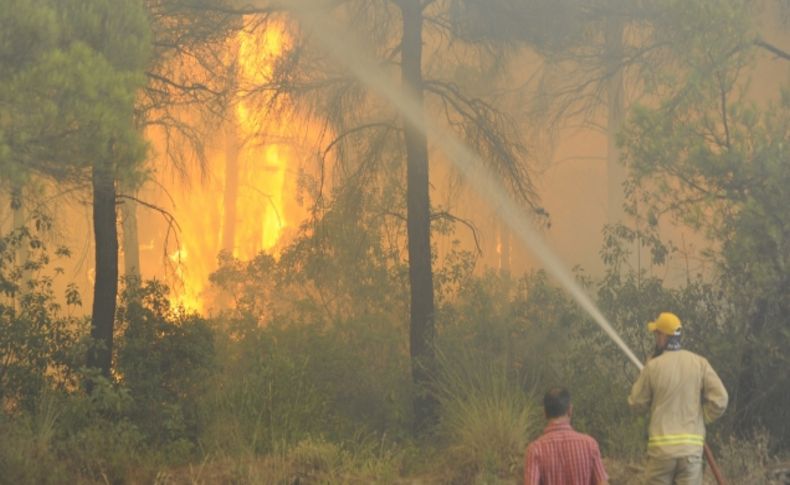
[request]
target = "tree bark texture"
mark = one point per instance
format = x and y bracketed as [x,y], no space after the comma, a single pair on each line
[418,223]
[105,288]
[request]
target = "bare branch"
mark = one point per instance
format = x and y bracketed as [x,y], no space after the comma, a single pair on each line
[183,87]
[170,218]
[466,222]
[773,49]
[172,223]
[489,132]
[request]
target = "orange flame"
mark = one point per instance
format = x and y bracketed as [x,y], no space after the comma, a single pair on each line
[256,150]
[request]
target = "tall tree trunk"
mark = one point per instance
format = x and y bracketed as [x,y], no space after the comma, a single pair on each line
[231,194]
[615,114]
[418,223]
[131,242]
[105,287]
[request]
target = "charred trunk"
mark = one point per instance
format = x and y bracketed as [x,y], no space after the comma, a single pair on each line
[418,223]
[105,288]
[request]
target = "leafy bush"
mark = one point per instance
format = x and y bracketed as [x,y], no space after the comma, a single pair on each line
[264,395]
[166,358]
[539,334]
[96,438]
[38,343]
[313,344]
[73,438]
[283,383]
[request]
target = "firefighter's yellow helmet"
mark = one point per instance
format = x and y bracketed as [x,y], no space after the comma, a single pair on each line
[666,323]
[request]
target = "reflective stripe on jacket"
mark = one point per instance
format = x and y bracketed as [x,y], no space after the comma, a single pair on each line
[683,392]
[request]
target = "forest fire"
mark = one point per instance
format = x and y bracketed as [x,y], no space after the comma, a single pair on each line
[239,206]
[356,241]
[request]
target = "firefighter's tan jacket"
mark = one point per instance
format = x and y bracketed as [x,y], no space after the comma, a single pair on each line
[683,392]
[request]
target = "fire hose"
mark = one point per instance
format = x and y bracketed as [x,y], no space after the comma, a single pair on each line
[714,467]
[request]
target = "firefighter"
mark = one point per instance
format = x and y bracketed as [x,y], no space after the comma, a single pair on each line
[683,393]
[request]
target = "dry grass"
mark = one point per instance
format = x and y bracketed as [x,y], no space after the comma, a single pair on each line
[486,421]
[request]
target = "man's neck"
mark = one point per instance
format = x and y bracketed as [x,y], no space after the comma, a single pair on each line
[560,420]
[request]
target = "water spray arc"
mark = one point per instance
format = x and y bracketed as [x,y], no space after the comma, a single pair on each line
[343,48]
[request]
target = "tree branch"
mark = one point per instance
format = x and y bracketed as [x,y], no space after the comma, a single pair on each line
[172,223]
[773,49]
[446,215]
[183,87]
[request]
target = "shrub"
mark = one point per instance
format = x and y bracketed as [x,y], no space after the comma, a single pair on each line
[36,340]
[165,360]
[95,438]
[283,383]
[485,418]
[26,451]
[264,396]
[745,460]
[313,461]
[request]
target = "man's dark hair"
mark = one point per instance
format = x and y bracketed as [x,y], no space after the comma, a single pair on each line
[556,402]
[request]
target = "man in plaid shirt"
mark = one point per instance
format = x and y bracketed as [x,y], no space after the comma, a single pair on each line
[561,456]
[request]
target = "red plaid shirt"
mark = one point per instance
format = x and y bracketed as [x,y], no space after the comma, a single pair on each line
[561,456]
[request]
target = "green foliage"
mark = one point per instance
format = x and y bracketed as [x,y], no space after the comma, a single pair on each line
[264,395]
[37,342]
[715,161]
[69,74]
[96,438]
[531,331]
[166,358]
[283,382]
[522,323]
[529,334]
[73,438]
[314,343]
